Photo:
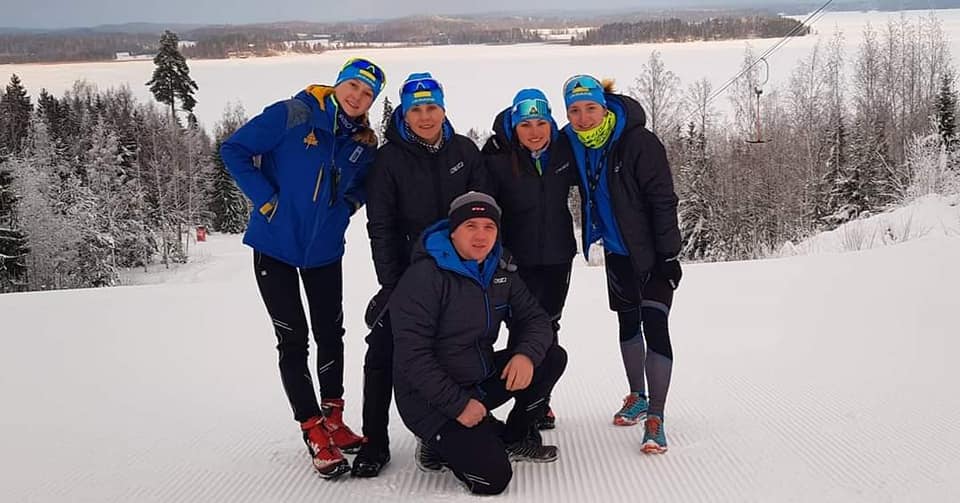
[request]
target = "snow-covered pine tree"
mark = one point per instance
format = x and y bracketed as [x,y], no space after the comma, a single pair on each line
[697,227]
[46,189]
[385,119]
[171,78]
[946,111]
[827,198]
[229,206]
[15,109]
[13,243]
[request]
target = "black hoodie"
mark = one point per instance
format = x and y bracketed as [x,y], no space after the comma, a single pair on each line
[409,188]
[537,226]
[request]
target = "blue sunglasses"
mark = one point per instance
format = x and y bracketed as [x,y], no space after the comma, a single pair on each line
[535,107]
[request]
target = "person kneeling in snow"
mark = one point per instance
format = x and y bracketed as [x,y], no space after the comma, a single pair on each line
[446,311]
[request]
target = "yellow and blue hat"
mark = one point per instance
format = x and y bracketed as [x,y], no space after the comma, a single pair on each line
[365,71]
[420,89]
[583,88]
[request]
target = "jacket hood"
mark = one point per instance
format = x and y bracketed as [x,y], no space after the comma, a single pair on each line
[323,113]
[435,244]
[629,111]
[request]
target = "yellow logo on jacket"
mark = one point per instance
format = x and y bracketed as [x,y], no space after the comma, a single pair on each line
[311,140]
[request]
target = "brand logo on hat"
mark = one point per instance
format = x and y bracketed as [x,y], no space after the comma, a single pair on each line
[578,88]
[478,208]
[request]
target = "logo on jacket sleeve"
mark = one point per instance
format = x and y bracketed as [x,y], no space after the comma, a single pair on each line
[502,280]
[456,168]
[563,167]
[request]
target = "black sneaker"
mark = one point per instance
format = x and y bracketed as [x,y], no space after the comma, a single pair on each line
[428,459]
[369,461]
[530,450]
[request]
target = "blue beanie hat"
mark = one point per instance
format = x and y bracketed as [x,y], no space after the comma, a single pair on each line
[530,104]
[583,88]
[420,89]
[365,71]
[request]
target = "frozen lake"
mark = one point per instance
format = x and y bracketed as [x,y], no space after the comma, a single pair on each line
[479,80]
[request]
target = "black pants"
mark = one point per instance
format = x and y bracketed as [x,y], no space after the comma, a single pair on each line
[279,285]
[378,384]
[550,285]
[478,456]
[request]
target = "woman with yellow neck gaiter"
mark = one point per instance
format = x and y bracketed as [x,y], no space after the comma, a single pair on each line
[628,204]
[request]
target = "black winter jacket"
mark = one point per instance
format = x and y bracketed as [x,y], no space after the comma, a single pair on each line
[641,188]
[536,223]
[408,189]
[446,317]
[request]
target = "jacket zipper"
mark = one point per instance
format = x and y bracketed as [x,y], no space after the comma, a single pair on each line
[483,362]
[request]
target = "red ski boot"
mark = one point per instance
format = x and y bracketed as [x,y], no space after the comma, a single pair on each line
[342,435]
[327,458]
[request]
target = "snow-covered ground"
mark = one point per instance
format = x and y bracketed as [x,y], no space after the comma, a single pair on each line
[813,378]
[930,217]
[479,80]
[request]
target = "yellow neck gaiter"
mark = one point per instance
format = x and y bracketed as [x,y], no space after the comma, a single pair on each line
[598,136]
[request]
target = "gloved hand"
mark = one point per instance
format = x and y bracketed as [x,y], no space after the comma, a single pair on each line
[669,269]
[377,307]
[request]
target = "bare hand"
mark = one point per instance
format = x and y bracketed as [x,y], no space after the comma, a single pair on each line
[518,373]
[472,414]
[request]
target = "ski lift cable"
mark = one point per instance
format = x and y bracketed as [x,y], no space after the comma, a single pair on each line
[814,16]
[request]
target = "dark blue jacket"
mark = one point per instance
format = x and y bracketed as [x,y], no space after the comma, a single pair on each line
[446,316]
[536,223]
[642,200]
[313,169]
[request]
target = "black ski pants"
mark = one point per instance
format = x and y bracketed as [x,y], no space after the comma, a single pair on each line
[279,285]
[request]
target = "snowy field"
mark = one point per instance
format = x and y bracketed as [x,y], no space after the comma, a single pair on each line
[479,80]
[815,378]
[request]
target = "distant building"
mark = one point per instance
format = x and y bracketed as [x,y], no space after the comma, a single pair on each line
[126,56]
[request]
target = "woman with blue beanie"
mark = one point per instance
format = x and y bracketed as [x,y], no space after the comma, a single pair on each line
[303,162]
[628,203]
[531,170]
[421,169]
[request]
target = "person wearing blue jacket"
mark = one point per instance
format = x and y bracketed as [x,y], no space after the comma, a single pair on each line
[303,163]
[628,203]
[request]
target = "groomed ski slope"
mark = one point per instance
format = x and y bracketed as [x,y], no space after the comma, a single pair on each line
[813,378]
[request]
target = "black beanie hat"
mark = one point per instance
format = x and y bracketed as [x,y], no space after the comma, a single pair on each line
[473,205]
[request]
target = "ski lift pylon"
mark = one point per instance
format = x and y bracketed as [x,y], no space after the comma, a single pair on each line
[758,91]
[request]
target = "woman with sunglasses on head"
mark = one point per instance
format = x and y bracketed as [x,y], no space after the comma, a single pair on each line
[421,169]
[303,163]
[531,170]
[628,203]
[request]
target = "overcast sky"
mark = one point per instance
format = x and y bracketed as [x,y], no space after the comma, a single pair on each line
[80,13]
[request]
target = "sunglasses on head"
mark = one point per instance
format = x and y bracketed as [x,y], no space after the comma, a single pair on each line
[535,106]
[373,71]
[412,86]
